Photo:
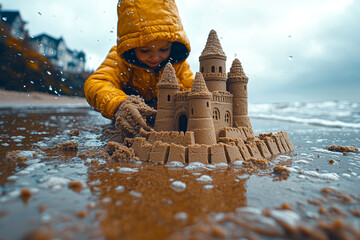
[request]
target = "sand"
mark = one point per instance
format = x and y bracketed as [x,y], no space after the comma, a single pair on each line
[14,98]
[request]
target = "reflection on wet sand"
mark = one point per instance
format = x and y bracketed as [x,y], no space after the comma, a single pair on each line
[142,204]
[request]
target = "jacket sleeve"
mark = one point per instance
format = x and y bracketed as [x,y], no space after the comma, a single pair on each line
[102,89]
[184,74]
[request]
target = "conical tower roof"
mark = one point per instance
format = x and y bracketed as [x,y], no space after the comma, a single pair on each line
[199,87]
[213,46]
[168,78]
[236,70]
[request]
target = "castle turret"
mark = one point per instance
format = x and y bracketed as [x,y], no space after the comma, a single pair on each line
[200,112]
[213,64]
[168,86]
[237,85]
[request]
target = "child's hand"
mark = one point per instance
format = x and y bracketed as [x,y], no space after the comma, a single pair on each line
[131,116]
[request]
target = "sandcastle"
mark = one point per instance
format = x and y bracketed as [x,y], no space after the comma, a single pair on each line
[210,123]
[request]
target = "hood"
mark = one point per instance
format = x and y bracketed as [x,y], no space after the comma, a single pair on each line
[143,21]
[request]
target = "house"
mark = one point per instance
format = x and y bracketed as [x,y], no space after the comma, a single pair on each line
[15,24]
[61,56]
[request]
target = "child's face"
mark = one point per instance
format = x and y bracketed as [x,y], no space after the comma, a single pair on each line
[153,53]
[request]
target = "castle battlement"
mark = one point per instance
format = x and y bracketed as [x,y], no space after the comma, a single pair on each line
[181,96]
[222,96]
[215,75]
[180,138]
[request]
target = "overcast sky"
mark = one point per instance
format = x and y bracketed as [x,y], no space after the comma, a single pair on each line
[298,50]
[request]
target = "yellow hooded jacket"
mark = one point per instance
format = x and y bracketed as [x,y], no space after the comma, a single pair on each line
[121,74]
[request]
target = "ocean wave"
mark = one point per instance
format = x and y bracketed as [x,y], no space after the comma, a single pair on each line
[310,121]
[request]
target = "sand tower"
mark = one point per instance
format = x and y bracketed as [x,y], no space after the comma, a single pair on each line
[237,85]
[168,86]
[213,64]
[200,119]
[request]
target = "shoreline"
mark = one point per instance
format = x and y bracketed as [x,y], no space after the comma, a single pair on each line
[14,98]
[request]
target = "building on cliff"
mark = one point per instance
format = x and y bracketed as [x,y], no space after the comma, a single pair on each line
[217,100]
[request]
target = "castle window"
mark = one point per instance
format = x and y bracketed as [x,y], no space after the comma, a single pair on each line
[227,117]
[192,111]
[168,98]
[216,114]
[220,69]
[202,69]
[245,87]
[207,104]
[212,69]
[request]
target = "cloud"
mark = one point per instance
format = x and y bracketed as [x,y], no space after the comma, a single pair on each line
[320,36]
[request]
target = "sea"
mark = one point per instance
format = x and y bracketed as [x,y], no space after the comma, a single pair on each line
[337,114]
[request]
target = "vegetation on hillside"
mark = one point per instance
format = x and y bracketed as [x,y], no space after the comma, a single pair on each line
[23,69]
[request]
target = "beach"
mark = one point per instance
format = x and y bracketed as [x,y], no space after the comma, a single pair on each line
[83,194]
[15,98]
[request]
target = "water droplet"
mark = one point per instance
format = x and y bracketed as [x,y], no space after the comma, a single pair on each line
[289,36]
[31,82]
[141,19]
[39,13]
[49,73]
[290,58]
[50,88]
[63,79]
[4,19]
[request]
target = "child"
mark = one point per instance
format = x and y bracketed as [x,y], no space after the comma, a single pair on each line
[150,34]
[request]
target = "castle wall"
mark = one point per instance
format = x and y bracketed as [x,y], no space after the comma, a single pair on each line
[228,150]
[222,116]
[172,137]
[222,110]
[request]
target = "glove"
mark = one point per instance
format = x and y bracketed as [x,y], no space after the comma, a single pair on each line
[133,115]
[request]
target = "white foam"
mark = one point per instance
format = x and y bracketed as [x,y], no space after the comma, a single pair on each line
[181,216]
[178,186]
[208,187]
[196,166]
[310,121]
[286,216]
[301,161]
[325,176]
[175,164]
[128,170]
[204,179]
[238,163]
[120,189]
[251,210]
[54,182]
[135,194]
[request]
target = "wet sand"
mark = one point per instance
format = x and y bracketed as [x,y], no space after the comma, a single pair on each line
[14,98]
[81,194]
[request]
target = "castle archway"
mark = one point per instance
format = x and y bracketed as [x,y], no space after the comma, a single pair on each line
[182,123]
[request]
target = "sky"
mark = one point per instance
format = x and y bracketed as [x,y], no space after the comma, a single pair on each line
[298,50]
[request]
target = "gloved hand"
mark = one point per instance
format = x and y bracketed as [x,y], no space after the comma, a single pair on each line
[132,115]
